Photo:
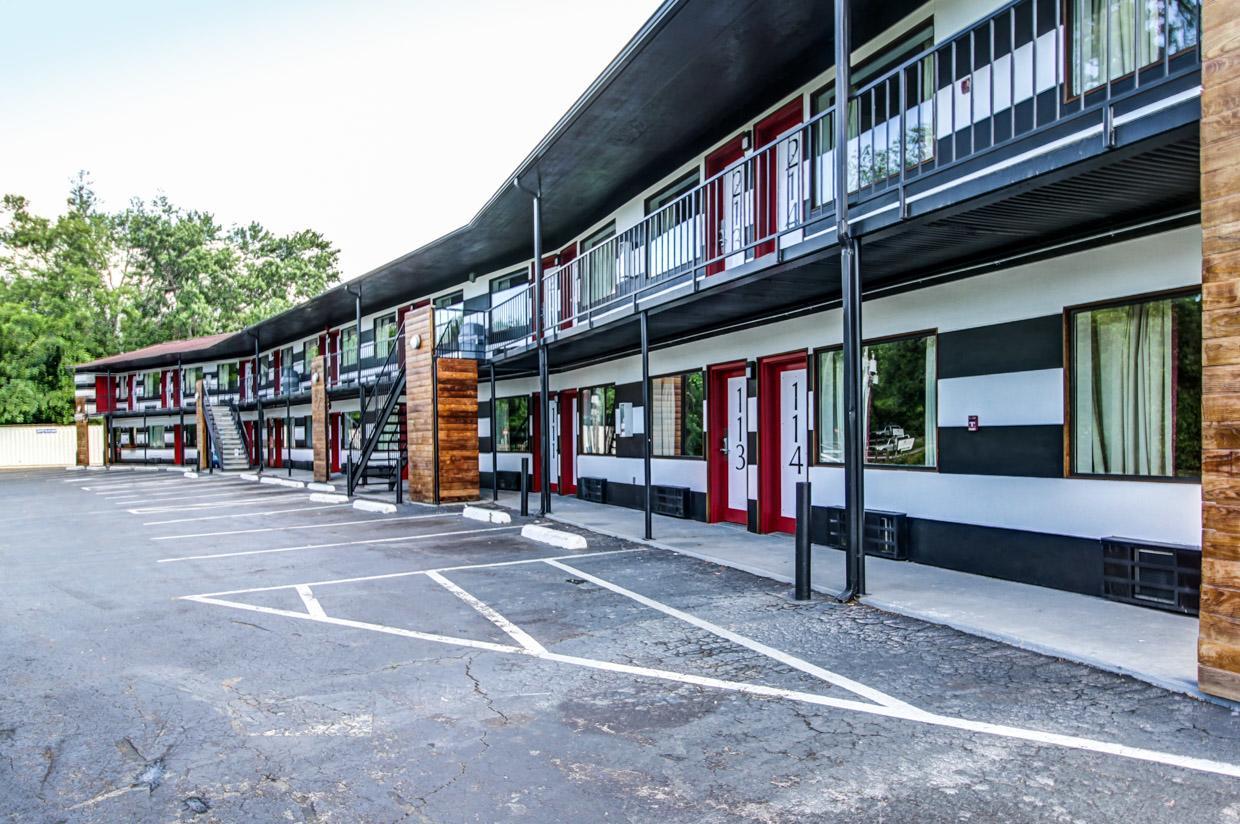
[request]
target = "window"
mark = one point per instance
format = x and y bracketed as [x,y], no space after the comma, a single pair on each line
[1136,388]
[598,420]
[385,333]
[452,299]
[512,424]
[673,191]
[899,402]
[504,287]
[189,383]
[226,377]
[312,351]
[676,403]
[1136,36]
[150,385]
[348,346]
[156,437]
[306,441]
[286,368]
[191,436]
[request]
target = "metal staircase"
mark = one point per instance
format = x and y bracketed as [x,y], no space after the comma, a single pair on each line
[382,453]
[227,437]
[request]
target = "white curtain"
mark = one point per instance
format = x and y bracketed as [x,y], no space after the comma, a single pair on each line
[932,402]
[830,398]
[1124,386]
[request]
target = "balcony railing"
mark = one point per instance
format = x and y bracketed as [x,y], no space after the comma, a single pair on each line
[1019,70]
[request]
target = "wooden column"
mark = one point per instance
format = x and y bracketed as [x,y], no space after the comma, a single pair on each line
[319,419]
[1218,646]
[419,403]
[201,435]
[82,426]
[456,410]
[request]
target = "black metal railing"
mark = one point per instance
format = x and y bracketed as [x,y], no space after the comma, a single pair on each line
[377,399]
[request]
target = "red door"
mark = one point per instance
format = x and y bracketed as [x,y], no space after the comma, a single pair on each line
[163,389]
[176,388]
[770,165]
[568,441]
[727,436]
[103,394]
[536,443]
[783,439]
[724,196]
[178,445]
[333,444]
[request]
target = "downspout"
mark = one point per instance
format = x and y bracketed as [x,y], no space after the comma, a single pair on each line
[544,400]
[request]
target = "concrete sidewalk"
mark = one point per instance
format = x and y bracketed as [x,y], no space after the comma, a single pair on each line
[1157,647]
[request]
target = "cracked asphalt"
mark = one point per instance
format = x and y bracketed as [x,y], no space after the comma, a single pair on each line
[122,701]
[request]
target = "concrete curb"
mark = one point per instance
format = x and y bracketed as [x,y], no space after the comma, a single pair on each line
[74,468]
[191,474]
[554,537]
[289,482]
[328,498]
[373,506]
[487,516]
[316,486]
[248,476]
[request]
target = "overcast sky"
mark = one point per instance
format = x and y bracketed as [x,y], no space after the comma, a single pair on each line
[382,124]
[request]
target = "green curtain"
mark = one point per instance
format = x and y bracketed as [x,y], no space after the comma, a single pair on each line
[1124,386]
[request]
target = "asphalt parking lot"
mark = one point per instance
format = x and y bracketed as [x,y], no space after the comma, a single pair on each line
[213,649]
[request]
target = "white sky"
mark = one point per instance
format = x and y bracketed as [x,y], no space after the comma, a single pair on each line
[382,124]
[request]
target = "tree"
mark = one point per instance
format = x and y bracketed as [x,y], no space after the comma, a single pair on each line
[88,284]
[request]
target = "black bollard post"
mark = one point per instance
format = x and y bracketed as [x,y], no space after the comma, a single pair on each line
[802,564]
[525,487]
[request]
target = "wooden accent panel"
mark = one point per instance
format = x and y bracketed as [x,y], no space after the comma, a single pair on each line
[1218,645]
[200,424]
[319,418]
[420,403]
[81,425]
[457,411]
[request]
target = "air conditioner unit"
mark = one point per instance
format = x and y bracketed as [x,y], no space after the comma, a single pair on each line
[671,500]
[886,533]
[1152,574]
[592,489]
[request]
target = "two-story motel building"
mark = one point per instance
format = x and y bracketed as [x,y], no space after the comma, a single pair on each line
[1027,186]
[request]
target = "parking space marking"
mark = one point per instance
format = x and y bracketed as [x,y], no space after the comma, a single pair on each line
[279,496]
[515,632]
[898,711]
[313,607]
[301,526]
[169,497]
[714,629]
[244,514]
[387,575]
[334,544]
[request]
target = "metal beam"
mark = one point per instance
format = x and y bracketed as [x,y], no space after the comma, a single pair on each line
[647,423]
[258,404]
[494,447]
[850,281]
[544,399]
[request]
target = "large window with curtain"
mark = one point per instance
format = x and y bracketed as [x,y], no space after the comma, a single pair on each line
[385,335]
[598,421]
[676,404]
[1113,38]
[899,402]
[1136,388]
[512,424]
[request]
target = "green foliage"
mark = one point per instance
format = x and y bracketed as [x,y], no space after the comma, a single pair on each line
[89,283]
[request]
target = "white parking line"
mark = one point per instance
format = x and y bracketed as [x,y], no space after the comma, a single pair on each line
[243,514]
[770,652]
[387,575]
[300,526]
[336,544]
[282,496]
[902,712]
[179,496]
[313,607]
[515,632]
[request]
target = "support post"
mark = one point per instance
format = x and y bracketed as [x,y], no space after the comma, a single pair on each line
[258,403]
[544,399]
[646,421]
[357,343]
[850,282]
[288,433]
[180,458]
[802,573]
[494,447]
[525,487]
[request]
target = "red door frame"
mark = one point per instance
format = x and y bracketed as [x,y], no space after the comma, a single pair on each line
[716,162]
[178,445]
[717,508]
[766,130]
[333,448]
[176,388]
[769,421]
[536,443]
[568,440]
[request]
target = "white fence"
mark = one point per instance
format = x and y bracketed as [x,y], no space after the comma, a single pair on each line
[48,445]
